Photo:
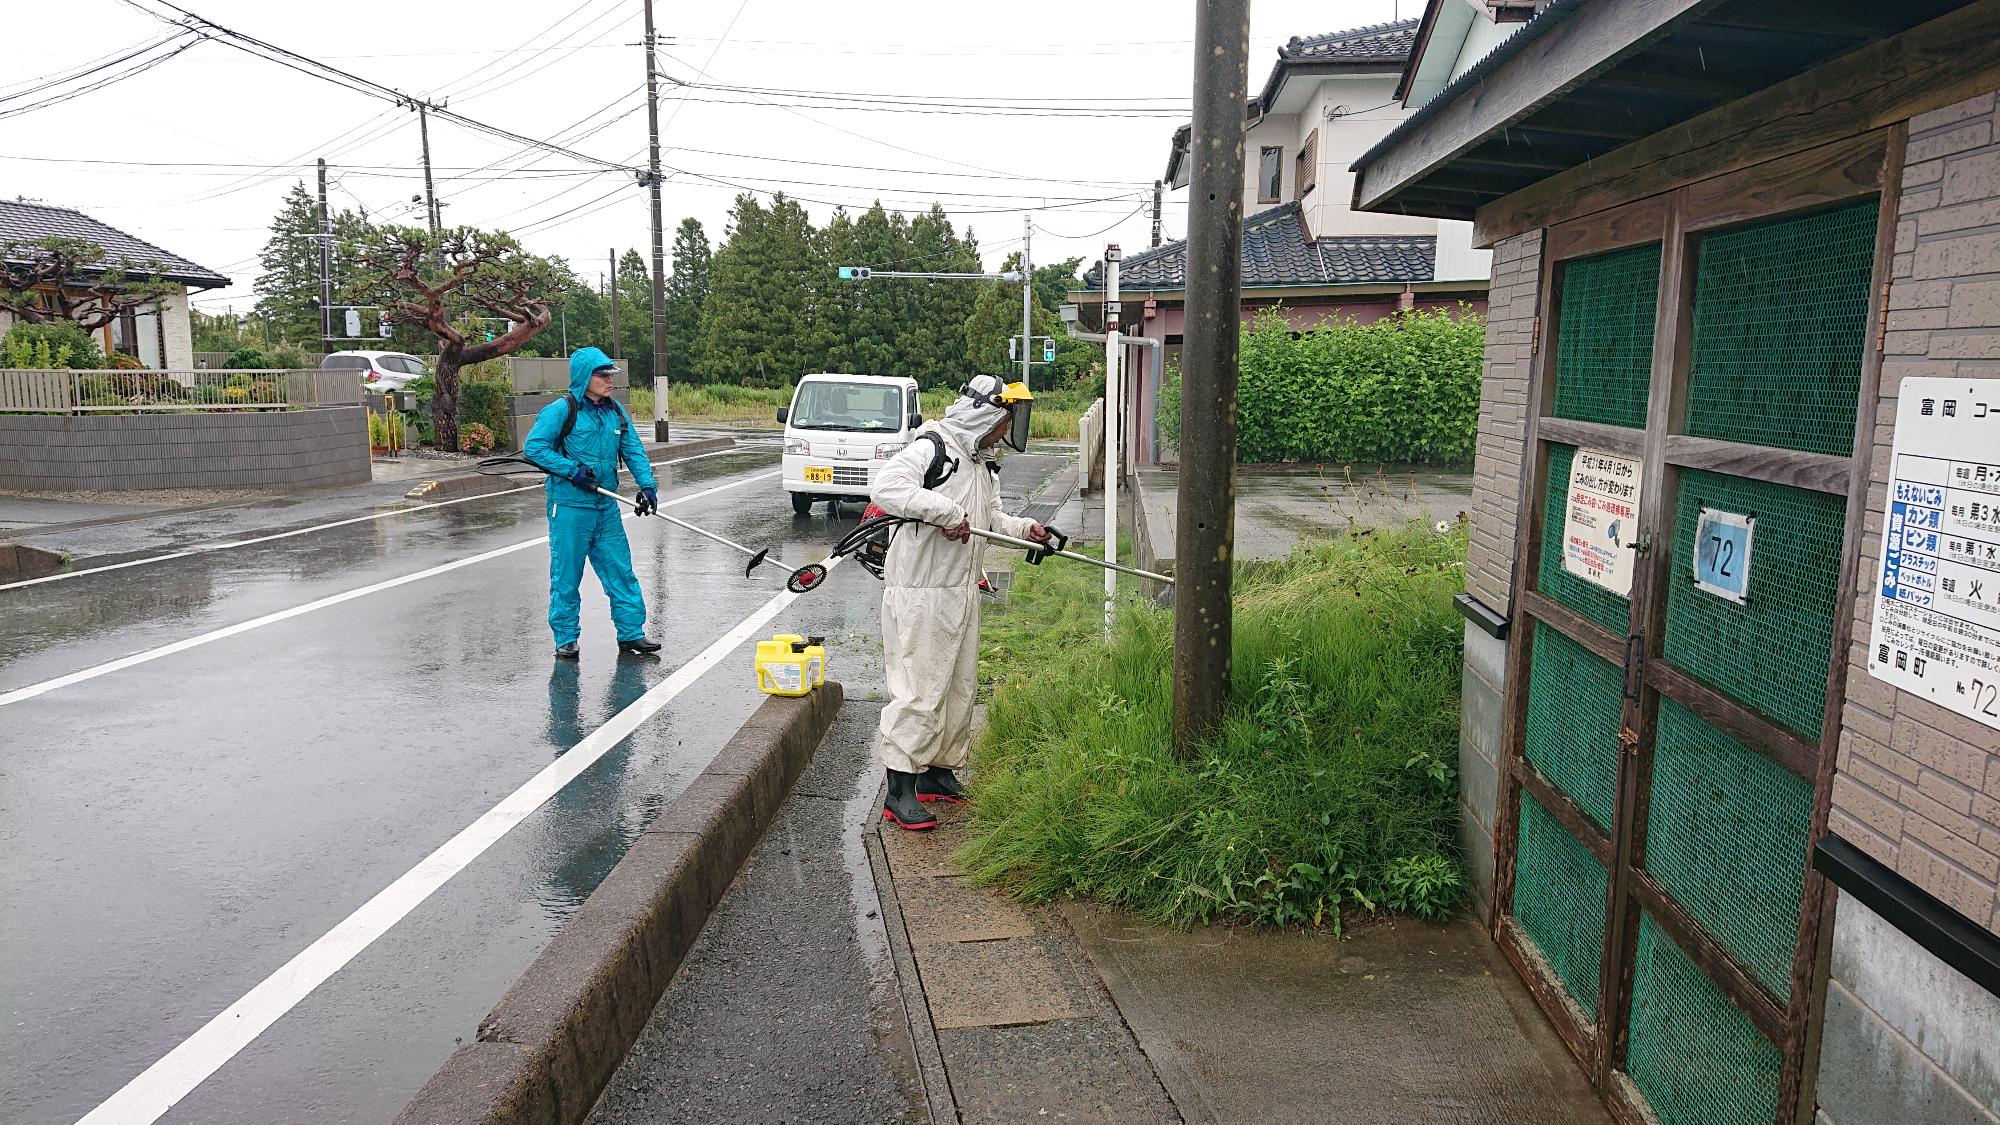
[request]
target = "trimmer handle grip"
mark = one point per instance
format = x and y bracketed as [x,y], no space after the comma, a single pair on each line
[1058,541]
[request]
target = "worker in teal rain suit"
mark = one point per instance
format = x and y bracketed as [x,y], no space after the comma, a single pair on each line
[580,439]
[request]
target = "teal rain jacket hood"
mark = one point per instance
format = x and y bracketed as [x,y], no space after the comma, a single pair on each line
[602,436]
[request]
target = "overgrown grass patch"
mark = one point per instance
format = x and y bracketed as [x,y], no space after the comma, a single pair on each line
[1330,791]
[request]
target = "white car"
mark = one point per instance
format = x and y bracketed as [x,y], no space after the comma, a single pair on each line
[379,371]
[838,432]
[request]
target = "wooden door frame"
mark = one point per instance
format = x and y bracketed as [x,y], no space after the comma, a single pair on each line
[1867,164]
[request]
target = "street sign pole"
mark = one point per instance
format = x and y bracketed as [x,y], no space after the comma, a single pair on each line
[1111,396]
[1027,294]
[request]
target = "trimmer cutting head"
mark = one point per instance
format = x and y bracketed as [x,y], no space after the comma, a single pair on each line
[805,578]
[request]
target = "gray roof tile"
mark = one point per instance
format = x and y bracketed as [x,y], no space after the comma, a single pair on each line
[21,221]
[1385,41]
[1277,252]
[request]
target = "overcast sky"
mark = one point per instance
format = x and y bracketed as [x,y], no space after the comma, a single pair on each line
[200,149]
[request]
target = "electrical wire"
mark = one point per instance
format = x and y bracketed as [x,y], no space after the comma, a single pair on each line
[1134,213]
[113,78]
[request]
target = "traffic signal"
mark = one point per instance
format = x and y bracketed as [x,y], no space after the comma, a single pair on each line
[854,273]
[1048,351]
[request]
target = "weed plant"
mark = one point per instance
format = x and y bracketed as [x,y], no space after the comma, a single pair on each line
[1330,790]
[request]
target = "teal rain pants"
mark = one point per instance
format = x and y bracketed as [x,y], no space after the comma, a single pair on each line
[594,531]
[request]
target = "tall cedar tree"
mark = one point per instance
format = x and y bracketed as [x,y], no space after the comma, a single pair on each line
[288,284]
[996,318]
[635,316]
[757,321]
[434,280]
[687,292]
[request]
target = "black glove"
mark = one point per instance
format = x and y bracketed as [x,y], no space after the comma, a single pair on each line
[647,503]
[584,477]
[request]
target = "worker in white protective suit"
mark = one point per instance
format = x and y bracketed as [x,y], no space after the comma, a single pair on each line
[930,608]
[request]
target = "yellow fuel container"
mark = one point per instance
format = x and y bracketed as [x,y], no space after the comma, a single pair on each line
[816,659]
[784,667]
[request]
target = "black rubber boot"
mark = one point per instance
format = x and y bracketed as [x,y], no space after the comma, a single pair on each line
[937,783]
[640,645]
[902,806]
[566,652]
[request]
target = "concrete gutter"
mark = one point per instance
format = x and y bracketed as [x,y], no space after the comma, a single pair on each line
[1153,537]
[476,484]
[545,1052]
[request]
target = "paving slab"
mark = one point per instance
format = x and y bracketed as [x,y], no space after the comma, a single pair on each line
[958,910]
[1400,1021]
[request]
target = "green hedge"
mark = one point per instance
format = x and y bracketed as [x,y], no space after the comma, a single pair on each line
[487,402]
[1404,389]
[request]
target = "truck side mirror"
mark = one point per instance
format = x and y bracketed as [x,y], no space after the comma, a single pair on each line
[782,413]
[916,419]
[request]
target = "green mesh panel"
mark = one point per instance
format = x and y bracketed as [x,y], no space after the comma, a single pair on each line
[1604,336]
[1780,320]
[1694,1055]
[1588,598]
[1772,653]
[1574,705]
[1726,836]
[1559,895]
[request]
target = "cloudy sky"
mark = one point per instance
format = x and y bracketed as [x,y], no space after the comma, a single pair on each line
[1062,109]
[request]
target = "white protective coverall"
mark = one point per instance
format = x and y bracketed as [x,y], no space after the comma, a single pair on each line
[930,608]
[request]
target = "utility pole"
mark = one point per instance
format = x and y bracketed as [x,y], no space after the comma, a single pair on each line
[1205,531]
[1158,189]
[325,262]
[430,193]
[615,326]
[1112,392]
[1027,297]
[659,236]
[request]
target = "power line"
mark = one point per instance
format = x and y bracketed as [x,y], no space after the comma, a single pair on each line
[132,71]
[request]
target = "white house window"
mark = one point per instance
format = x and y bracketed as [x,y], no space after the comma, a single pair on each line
[1270,170]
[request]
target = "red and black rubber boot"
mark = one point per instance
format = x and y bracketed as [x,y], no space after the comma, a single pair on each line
[902,805]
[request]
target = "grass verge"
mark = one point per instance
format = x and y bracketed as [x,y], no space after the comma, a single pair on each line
[1330,791]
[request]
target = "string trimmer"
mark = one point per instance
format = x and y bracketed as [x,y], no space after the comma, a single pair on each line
[503,466]
[869,544]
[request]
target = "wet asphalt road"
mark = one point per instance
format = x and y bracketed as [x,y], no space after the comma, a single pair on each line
[176,830]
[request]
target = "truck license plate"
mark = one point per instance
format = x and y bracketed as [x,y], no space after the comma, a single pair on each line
[818,475]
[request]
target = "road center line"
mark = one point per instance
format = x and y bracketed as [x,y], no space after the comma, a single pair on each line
[144,1099]
[33,690]
[233,543]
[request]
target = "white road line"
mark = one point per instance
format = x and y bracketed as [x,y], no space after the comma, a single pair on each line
[33,690]
[206,548]
[154,1092]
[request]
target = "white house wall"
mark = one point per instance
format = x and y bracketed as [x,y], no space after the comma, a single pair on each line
[1456,258]
[1281,130]
[1365,109]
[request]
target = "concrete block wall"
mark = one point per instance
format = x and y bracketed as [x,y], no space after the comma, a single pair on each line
[1503,412]
[1489,563]
[1918,787]
[218,449]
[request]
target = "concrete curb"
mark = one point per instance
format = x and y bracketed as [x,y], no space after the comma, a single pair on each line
[545,1052]
[476,484]
[17,561]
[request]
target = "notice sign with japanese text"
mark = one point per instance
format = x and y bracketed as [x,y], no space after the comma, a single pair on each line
[1603,520]
[1937,608]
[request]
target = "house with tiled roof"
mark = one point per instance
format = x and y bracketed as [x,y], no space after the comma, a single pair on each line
[161,338]
[1327,99]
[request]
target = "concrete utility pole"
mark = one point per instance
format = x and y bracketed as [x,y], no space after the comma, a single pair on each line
[659,236]
[1112,392]
[430,194]
[325,262]
[615,326]
[1205,531]
[1159,189]
[1027,297]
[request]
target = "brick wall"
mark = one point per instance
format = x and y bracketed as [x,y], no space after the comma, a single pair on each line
[1503,403]
[221,449]
[1918,786]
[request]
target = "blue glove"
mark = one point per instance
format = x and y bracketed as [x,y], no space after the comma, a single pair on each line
[648,502]
[584,477]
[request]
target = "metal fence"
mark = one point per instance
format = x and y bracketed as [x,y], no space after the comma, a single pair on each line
[125,392]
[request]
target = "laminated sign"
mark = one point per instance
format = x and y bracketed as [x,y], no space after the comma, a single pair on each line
[1603,520]
[1937,607]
